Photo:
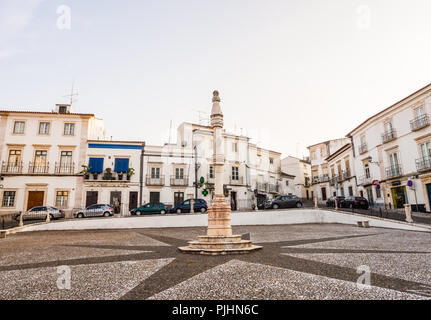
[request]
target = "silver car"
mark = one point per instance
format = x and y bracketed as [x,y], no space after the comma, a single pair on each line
[40,213]
[96,210]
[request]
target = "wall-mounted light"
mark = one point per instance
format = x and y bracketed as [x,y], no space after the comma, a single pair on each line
[370,160]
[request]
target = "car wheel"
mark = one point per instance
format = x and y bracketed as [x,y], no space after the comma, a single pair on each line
[138,213]
[203,210]
[163,212]
[80,215]
[299,205]
[106,214]
[275,206]
[178,211]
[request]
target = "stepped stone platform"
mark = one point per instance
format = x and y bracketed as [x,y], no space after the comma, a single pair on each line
[220,245]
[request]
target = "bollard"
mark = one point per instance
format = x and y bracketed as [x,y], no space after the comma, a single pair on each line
[336,204]
[48,217]
[408,209]
[192,209]
[315,203]
[255,204]
[21,223]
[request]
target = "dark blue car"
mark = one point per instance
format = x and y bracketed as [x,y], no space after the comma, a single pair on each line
[199,205]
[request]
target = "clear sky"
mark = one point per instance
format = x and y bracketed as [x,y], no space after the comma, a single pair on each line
[290,73]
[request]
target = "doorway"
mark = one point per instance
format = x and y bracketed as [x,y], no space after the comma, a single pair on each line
[178,198]
[133,200]
[154,197]
[35,199]
[399,197]
[92,197]
[116,201]
[233,201]
[428,186]
[324,194]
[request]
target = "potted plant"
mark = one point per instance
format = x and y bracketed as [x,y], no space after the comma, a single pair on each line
[108,174]
[120,175]
[85,172]
[130,173]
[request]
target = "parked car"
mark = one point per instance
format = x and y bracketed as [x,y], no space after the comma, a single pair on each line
[40,213]
[331,201]
[355,202]
[199,205]
[96,210]
[149,208]
[290,201]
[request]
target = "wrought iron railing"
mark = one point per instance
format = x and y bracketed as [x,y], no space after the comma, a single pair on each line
[237,180]
[38,168]
[393,171]
[12,167]
[420,122]
[179,181]
[363,148]
[423,163]
[155,180]
[274,188]
[389,136]
[364,180]
[64,168]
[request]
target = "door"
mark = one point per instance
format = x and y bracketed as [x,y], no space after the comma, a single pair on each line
[116,201]
[178,198]
[133,200]
[370,196]
[399,197]
[429,193]
[324,194]
[35,199]
[154,197]
[233,204]
[91,199]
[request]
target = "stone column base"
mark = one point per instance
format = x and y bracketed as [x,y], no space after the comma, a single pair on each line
[220,245]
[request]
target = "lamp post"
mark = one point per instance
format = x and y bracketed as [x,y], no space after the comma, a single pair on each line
[219,239]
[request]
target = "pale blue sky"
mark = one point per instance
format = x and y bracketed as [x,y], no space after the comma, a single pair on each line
[290,73]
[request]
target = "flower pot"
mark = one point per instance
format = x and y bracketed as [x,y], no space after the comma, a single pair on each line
[120,176]
[86,176]
[95,176]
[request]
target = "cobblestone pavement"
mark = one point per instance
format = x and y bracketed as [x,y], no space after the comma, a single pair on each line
[297,262]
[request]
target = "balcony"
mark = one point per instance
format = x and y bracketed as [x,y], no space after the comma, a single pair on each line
[64,168]
[364,180]
[261,187]
[423,164]
[12,167]
[115,176]
[236,181]
[210,179]
[316,180]
[420,122]
[393,171]
[389,136]
[363,148]
[274,188]
[179,181]
[35,168]
[324,178]
[155,181]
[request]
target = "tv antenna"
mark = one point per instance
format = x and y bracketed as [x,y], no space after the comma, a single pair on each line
[203,117]
[72,95]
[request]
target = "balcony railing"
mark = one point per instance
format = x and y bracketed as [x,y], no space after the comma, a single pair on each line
[364,180]
[423,163]
[64,168]
[393,171]
[262,186]
[210,179]
[324,178]
[12,167]
[420,122]
[316,180]
[363,148]
[105,176]
[274,188]
[179,181]
[389,136]
[238,180]
[38,168]
[155,180]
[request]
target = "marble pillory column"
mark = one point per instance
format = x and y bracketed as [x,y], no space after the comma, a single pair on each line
[219,239]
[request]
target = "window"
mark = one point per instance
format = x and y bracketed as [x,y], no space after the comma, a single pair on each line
[234,146]
[419,112]
[367,171]
[66,161]
[155,173]
[388,127]
[44,127]
[211,172]
[14,158]
[62,198]
[235,173]
[179,173]
[18,127]
[8,199]
[351,191]
[287,183]
[69,129]
[271,160]
[40,158]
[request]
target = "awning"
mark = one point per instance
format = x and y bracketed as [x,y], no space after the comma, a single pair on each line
[121,165]
[95,165]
